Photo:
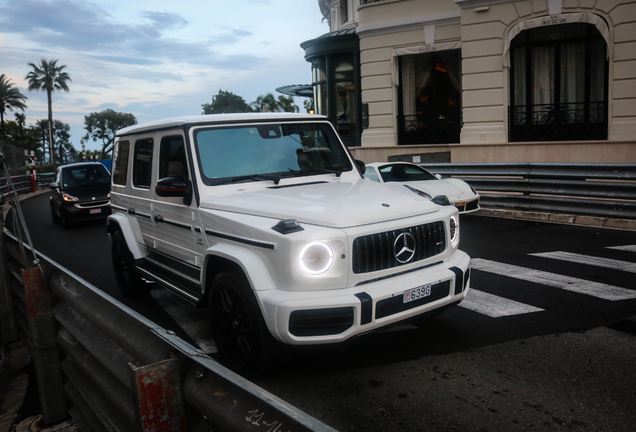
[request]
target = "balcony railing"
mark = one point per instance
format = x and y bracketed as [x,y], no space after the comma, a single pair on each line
[363,2]
[429,128]
[562,122]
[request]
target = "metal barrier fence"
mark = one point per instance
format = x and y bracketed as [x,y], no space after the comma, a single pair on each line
[606,190]
[114,370]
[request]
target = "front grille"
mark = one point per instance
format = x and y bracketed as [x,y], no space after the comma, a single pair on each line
[472,205]
[376,252]
[91,204]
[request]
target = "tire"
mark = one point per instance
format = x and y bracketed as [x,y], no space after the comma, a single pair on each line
[130,282]
[54,216]
[64,220]
[238,327]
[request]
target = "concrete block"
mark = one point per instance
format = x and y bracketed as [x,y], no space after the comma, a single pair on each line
[482,64]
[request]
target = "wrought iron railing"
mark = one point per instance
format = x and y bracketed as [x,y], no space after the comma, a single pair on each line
[558,122]
[429,128]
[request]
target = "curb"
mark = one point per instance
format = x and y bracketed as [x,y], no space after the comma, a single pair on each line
[560,218]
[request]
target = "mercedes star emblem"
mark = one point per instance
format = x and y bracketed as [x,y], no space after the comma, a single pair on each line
[404,247]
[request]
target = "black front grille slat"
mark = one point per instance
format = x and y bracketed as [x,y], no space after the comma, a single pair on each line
[375,252]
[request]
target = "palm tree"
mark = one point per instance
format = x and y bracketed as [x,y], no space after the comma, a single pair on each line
[10,99]
[48,76]
[268,103]
[20,119]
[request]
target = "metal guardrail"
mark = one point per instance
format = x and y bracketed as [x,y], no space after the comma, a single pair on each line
[21,183]
[606,190]
[93,356]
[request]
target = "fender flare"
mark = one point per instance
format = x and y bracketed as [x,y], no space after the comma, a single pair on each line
[249,262]
[123,223]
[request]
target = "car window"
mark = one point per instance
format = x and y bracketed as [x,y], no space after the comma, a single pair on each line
[371,174]
[172,158]
[142,167]
[231,152]
[84,176]
[404,172]
[120,170]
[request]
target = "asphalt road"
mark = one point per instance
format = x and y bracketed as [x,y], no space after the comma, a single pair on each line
[528,350]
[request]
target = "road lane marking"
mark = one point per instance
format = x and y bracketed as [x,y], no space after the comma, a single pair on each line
[613,264]
[581,286]
[495,306]
[192,320]
[628,248]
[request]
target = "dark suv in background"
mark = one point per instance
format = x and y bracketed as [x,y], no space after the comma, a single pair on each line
[81,192]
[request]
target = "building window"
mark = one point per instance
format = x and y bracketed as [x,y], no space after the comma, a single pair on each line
[430,98]
[344,79]
[344,11]
[558,78]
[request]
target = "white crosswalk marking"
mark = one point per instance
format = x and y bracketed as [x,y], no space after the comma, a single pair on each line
[595,289]
[590,260]
[628,248]
[495,306]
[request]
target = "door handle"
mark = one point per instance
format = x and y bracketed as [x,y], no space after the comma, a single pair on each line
[158,218]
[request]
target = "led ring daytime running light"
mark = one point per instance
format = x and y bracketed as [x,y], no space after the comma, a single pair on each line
[316,258]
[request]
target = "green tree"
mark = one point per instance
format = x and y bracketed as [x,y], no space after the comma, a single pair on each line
[265,103]
[268,103]
[10,100]
[308,104]
[104,125]
[286,103]
[226,102]
[48,77]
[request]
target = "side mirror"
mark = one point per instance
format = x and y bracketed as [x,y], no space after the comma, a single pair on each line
[171,187]
[53,185]
[439,176]
[361,166]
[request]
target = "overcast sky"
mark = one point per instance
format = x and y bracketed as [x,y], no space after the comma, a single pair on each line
[155,58]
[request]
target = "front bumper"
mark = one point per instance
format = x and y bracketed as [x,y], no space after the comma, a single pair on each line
[83,211]
[316,317]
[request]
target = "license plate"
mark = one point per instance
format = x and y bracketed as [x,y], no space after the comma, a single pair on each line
[460,204]
[416,293]
[95,211]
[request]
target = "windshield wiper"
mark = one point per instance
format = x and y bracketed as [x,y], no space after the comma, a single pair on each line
[275,179]
[317,171]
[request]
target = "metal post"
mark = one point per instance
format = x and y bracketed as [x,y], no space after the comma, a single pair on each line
[159,397]
[43,347]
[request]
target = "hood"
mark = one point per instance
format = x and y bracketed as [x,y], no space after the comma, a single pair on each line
[99,192]
[336,204]
[438,187]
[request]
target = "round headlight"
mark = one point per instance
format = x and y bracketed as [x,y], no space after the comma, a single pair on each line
[454,230]
[316,258]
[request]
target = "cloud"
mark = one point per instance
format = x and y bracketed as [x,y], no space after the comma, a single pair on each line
[82,26]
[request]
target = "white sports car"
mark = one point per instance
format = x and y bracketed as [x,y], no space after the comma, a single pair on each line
[449,191]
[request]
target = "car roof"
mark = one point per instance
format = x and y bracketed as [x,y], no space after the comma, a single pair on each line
[379,164]
[80,164]
[218,119]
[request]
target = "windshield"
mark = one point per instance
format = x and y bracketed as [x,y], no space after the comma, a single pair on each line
[83,176]
[268,152]
[404,173]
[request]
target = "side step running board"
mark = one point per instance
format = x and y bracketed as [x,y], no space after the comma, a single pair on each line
[168,284]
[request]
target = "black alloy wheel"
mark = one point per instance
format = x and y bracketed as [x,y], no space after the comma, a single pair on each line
[130,282]
[239,330]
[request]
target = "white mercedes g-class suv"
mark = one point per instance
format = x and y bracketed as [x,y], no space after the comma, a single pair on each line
[267,220]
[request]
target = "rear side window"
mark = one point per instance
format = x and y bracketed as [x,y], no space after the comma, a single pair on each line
[120,170]
[142,168]
[172,158]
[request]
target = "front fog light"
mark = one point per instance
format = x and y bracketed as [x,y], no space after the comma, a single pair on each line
[454,230]
[316,258]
